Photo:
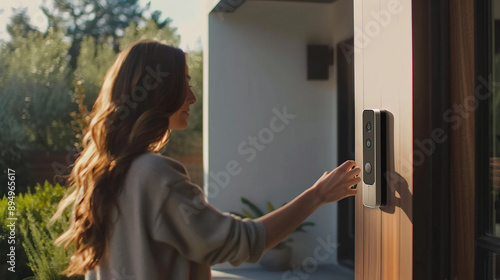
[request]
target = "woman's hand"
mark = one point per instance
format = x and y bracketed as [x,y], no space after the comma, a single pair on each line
[337,184]
[332,186]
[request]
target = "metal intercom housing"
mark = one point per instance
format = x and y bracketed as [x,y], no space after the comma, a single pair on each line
[374,157]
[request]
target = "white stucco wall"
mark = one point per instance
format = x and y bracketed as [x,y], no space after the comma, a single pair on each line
[255,63]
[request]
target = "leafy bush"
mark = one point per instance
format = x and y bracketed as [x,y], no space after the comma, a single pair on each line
[22,268]
[33,211]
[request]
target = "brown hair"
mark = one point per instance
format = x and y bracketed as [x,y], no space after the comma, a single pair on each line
[145,85]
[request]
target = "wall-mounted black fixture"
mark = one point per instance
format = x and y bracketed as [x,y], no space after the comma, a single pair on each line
[319,59]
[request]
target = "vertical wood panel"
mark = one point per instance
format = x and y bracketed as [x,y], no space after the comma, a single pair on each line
[390,97]
[383,79]
[405,155]
[372,99]
[358,110]
[462,147]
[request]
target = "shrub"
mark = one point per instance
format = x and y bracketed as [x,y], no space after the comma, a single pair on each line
[33,211]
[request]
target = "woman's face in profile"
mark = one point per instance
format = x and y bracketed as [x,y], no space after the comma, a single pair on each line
[179,119]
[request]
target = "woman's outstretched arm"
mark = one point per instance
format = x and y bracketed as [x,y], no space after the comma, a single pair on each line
[332,186]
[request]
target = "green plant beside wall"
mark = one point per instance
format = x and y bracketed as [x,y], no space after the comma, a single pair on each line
[36,255]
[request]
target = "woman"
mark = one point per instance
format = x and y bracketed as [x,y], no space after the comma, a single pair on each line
[135,212]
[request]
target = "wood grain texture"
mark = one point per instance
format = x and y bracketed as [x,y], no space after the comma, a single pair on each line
[404,156]
[383,79]
[372,264]
[358,111]
[462,147]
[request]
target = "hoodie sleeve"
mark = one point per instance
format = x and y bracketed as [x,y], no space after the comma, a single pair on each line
[203,234]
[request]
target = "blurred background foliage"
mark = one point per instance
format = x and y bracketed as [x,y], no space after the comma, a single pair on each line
[37,257]
[50,79]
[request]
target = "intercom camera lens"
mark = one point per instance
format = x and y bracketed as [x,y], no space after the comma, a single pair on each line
[369,126]
[368,143]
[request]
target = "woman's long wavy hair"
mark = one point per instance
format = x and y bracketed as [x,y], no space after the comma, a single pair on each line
[145,85]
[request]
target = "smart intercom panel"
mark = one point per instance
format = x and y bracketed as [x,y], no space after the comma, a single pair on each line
[374,157]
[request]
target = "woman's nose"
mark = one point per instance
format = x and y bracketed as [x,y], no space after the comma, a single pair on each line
[191,97]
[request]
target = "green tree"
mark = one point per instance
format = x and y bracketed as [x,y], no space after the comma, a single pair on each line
[34,99]
[35,88]
[93,61]
[20,18]
[101,19]
[150,30]
[155,15]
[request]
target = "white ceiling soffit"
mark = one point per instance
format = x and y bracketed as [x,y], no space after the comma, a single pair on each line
[229,6]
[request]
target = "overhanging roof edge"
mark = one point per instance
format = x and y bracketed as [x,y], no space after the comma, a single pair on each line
[225,6]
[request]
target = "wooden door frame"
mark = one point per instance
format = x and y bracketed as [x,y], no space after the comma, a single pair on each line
[444,60]
[431,97]
[462,156]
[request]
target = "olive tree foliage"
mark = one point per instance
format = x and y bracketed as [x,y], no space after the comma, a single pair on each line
[152,30]
[100,19]
[20,23]
[35,98]
[45,99]
[104,20]
[35,88]
[93,61]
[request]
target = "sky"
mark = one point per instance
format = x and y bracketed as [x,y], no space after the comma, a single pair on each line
[186,15]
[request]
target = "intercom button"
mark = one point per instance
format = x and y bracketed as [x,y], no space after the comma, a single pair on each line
[368,168]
